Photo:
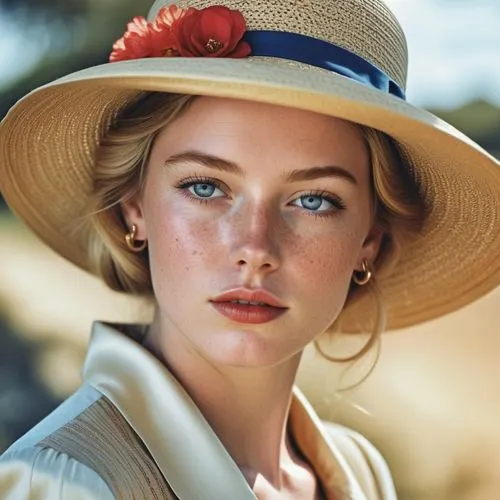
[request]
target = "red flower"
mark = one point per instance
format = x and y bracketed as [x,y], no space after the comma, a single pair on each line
[156,39]
[212,32]
[135,43]
[168,17]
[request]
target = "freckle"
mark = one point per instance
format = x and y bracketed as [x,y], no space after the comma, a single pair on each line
[195,252]
[187,268]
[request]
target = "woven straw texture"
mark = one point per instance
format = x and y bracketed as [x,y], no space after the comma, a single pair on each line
[366,27]
[48,141]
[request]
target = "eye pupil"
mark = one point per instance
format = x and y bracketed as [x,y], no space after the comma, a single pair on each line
[204,190]
[312,202]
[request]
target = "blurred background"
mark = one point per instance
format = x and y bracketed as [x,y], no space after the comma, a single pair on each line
[432,404]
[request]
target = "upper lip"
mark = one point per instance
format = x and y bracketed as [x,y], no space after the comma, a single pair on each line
[255,295]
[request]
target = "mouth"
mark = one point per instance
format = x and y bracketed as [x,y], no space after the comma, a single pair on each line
[250,303]
[246,312]
[248,296]
[249,306]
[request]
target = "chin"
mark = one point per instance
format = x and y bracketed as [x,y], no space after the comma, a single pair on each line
[244,349]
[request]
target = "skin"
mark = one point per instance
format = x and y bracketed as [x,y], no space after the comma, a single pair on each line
[256,230]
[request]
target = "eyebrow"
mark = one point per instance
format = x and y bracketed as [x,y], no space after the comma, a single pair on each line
[216,163]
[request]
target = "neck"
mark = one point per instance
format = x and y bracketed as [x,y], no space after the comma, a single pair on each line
[246,407]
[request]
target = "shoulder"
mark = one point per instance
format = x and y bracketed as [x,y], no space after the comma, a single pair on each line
[32,467]
[47,474]
[84,450]
[364,460]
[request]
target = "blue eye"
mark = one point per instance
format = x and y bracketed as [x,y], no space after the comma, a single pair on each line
[201,189]
[321,202]
[311,202]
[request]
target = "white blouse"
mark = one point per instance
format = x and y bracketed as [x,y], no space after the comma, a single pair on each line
[182,445]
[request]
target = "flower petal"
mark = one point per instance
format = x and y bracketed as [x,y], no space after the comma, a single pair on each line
[162,42]
[238,29]
[138,46]
[216,26]
[220,11]
[137,25]
[186,28]
[119,44]
[243,49]
[168,16]
[198,46]
[238,23]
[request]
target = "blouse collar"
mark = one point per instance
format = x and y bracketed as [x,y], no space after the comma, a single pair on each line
[161,412]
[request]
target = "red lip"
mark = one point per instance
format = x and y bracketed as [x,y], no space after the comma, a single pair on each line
[246,313]
[259,295]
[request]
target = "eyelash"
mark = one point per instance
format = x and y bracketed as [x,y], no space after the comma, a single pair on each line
[335,201]
[191,181]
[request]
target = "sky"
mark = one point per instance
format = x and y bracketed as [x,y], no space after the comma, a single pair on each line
[454,48]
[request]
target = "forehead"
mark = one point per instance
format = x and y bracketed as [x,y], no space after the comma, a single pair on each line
[233,128]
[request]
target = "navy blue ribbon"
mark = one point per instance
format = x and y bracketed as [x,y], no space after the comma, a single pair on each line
[308,50]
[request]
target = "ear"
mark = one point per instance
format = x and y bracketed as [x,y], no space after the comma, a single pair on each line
[371,246]
[133,213]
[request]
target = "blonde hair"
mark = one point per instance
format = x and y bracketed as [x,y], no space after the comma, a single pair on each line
[399,211]
[120,173]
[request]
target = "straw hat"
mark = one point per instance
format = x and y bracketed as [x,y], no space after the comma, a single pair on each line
[345,58]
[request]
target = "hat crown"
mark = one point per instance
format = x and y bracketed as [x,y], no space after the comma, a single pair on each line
[365,27]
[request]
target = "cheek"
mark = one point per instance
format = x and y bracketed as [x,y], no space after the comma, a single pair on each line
[180,244]
[325,259]
[326,244]
[186,260]
[321,268]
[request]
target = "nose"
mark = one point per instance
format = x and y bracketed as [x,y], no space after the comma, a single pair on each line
[255,247]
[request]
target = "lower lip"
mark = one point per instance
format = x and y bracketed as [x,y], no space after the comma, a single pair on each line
[242,313]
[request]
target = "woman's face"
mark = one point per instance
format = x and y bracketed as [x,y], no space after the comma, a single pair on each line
[240,195]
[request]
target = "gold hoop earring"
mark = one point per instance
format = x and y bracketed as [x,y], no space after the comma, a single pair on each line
[132,243]
[364,276]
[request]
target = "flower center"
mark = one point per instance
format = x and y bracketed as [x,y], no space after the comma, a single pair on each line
[169,52]
[213,46]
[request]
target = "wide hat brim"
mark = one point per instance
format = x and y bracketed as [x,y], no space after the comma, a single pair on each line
[48,141]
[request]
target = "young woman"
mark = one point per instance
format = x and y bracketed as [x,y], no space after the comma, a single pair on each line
[254,169]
